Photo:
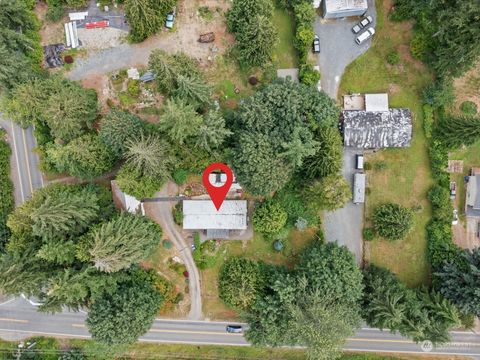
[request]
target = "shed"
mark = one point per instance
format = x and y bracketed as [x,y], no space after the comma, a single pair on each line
[376,130]
[147,76]
[133,73]
[202,215]
[376,102]
[472,201]
[359,188]
[78,16]
[344,8]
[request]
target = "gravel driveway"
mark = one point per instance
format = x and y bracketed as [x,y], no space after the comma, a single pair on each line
[338,48]
[345,225]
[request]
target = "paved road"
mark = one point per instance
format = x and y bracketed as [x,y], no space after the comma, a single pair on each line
[161,212]
[18,320]
[25,171]
[338,48]
[345,225]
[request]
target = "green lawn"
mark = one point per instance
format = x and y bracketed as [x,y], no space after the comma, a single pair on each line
[285,55]
[258,249]
[407,176]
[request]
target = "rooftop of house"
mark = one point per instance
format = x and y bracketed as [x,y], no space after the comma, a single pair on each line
[338,5]
[472,202]
[202,214]
[377,129]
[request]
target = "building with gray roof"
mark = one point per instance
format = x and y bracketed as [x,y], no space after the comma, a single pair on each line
[343,8]
[377,129]
[472,201]
[202,215]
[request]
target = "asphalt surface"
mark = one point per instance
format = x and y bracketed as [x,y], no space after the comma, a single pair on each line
[19,319]
[338,48]
[24,162]
[345,225]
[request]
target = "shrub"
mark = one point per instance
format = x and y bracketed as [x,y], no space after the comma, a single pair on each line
[178,213]
[269,217]
[427,120]
[468,108]
[55,11]
[303,41]
[180,176]
[133,88]
[439,94]
[393,58]
[368,234]
[308,75]
[205,13]
[367,166]
[392,221]
[418,46]
[6,189]
[167,244]
[68,59]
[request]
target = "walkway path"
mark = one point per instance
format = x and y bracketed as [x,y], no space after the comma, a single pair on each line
[161,213]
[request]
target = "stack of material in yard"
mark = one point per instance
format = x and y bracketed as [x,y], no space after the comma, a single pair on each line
[207,38]
[53,55]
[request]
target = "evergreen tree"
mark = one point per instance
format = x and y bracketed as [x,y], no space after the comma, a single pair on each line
[179,120]
[329,193]
[212,132]
[62,215]
[148,156]
[457,131]
[328,158]
[117,127]
[392,221]
[192,90]
[123,241]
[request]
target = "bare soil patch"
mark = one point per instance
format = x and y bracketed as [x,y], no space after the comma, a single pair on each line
[50,33]
[467,87]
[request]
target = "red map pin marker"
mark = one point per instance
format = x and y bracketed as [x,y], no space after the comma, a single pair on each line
[217,193]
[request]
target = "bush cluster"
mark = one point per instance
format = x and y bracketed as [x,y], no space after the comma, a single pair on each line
[6,189]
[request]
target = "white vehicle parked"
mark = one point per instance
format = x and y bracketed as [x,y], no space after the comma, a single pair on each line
[365,35]
[365,21]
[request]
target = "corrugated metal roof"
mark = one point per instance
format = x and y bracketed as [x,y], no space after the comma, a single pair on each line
[202,214]
[375,130]
[341,5]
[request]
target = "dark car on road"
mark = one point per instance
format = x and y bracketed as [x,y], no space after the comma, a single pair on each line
[316,44]
[235,329]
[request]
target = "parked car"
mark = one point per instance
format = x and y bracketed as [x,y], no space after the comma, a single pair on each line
[453,190]
[455,217]
[359,162]
[316,44]
[367,34]
[235,329]
[170,19]
[365,21]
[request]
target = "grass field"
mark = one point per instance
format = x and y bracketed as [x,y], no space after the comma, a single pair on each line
[258,249]
[284,55]
[50,349]
[406,178]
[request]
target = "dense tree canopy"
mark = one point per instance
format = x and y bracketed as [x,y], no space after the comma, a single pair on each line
[269,217]
[146,17]
[117,127]
[67,108]
[121,242]
[392,221]
[448,30]
[460,281]
[457,131]
[323,290]
[275,133]
[251,22]
[329,193]
[240,280]
[417,314]
[123,316]
[85,157]
[328,158]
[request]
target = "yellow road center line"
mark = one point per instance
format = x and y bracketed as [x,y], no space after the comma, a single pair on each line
[26,158]
[15,320]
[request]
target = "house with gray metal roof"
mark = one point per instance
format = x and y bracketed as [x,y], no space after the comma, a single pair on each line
[202,215]
[377,129]
[343,8]
[472,201]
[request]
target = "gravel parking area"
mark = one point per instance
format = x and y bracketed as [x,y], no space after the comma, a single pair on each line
[338,48]
[345,225]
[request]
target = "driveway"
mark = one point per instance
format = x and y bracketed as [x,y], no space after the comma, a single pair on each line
[338,48]
[345,225]
[161,213]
